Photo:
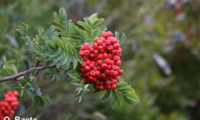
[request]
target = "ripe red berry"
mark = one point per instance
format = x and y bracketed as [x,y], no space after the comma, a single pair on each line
[104,34]
[87,68]
[118,62]
[95,45]
[109,34]
[87,52]
[99,56]
[103,65]
[110,48]
[101,87]
[113,86]
[92,72]
[120,72]
[99,42]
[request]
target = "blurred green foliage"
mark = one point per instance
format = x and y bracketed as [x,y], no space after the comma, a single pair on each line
[162,36]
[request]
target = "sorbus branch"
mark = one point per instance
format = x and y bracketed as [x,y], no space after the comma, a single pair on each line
[14,77]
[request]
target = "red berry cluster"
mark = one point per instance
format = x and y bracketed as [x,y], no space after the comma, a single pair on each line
[9,105]
[101,62]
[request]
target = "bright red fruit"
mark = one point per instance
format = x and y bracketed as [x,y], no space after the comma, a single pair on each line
[101,62]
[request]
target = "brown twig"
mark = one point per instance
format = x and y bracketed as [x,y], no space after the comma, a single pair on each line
[14,77]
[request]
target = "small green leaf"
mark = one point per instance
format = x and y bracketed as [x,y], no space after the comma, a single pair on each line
[123,38]
[74,74]
[33,100]
[20,90]
[25,27]
[63,14]
[27,78]
[97,90]
[84,25]
[98,22]
[132,96]
[75,61]
[57,78]
[121,80]
[56,16]
[93,18]
[58,28]
[122,85]
[76,82]
[40,100]
[52,77]
[96,32]
[120,100]
[105,96]
[117,35]
[87,21]
[127,101]
[22,82]
[54,53]
[52,63]
[68,62]
[80,60]
[65,58]
[115,99]
[103,28]
[59,57]
[41,31]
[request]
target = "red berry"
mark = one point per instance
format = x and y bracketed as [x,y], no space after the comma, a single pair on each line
[104,66]
[120,72]
[109,34]
[101,87]
[110,48]
[104,34]
[113,86]
[92,72]
[118,62]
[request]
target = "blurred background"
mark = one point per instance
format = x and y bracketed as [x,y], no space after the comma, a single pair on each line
[160,59]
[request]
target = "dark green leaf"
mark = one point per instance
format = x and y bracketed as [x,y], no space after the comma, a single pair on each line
[27,78]
[52,77]
[105,96]
[22,82]
[40,100]
[115,99]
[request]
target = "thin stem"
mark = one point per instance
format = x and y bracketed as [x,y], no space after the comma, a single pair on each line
[14,77]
